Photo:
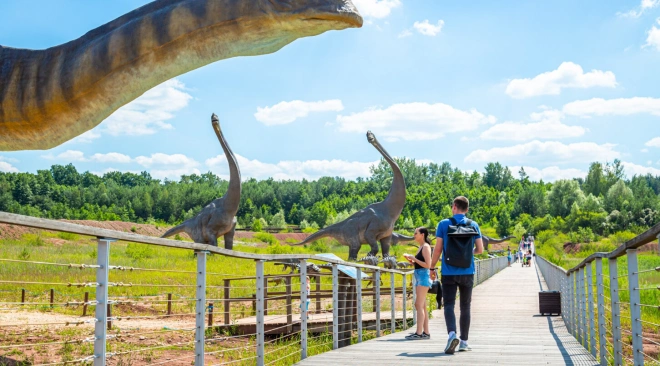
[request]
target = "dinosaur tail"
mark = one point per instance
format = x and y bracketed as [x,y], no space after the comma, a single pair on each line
[328,231]
[175,230]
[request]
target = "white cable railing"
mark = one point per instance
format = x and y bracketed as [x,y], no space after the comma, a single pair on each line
[612,311]
[262,319]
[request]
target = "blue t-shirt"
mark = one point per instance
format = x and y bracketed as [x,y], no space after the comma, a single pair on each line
[441,232]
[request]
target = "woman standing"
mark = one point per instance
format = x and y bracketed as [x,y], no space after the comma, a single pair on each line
[422,262]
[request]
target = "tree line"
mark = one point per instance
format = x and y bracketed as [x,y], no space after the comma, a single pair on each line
[603,202]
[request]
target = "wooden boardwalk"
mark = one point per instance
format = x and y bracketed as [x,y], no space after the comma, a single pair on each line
[506,329]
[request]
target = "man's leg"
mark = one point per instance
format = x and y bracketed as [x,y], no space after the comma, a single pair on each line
[449,288]
[465,284]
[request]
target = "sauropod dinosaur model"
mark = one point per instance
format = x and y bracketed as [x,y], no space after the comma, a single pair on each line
[375,222]
[400,238]
[218,218]
[487,240]
[50,96]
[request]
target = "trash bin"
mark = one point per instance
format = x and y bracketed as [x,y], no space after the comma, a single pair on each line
[550,302]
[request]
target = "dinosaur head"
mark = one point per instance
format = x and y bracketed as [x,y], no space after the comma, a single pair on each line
[215,121]
[371,137]
[319,14]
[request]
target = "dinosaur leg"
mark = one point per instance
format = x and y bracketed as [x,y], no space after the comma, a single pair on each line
[373,243]
[385,246]
[229,237]
[353,249]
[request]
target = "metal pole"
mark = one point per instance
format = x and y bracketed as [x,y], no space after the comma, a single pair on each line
[100,331]
[358,290]
[574,305]
[392,304]
[377,305]
[583,300]
[303,309]
[616,313]
[414,299]
[405,295]
[200,307]
[600,297]
[335,307]
[260,312]
[635,308]
[590,305]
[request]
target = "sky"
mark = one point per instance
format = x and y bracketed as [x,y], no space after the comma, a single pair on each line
[550,86]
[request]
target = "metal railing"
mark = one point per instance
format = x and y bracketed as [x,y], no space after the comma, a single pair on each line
[268,318]
[612,310]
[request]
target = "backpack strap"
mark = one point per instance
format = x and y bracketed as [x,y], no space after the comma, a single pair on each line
[453,221]
[469,222]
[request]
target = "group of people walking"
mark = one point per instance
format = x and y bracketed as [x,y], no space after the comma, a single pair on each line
[458,239]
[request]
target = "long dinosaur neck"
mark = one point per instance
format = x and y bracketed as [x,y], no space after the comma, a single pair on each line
[396,198]
[232,197]
[50,96]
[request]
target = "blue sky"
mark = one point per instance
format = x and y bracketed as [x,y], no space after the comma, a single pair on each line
[551,86]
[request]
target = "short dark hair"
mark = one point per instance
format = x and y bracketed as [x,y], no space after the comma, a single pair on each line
[461,203]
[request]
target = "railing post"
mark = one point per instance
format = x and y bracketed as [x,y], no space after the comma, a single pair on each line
[414,299]
[101,314]
[392,304]
[583,298]
[582,311]
[616,313]
[635,308]
[574,305]
[200,307]
[303,309]
[600,297]
[403,303]
[335,307]
[377,304]
[260,312]
[358,290]
[590,305]
[225,304]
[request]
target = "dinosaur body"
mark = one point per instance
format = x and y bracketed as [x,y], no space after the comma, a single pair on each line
[487,240]
[400,238]
[218,218]
[389,262]
[373,224]
[403,265]
[50,96]
[370,260]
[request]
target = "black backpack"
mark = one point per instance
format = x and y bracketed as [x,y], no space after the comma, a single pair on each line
[459,249]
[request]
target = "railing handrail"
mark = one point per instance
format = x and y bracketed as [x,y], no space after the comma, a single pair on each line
[644,238]
[55,225]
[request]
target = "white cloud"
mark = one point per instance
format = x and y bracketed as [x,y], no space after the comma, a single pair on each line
[148,113]
[67,156]
[173,174]
[287,112]
[644,150]
[549,126]
[86,137]
[376,8]
[159,159]
[654,142]
[653,38]
[632,169]
[553,152]
[429,29]
[405,33]
[7,167]
[100,173]
[616,107]
[112,157]
[292,169]
[549,174]
[413,121]
[637,12]
[567,75]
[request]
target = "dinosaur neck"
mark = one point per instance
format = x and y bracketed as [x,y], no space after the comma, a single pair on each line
[232,197]
[396,198]
[50,96]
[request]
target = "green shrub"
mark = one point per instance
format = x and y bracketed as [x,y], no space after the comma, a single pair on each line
[319,246]
[133,229]
[621,237]
[24,254]
[266,238]
[34,240]
[139,251]
[277,248]
[67,236]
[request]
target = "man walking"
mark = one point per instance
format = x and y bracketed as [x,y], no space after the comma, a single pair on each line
[457,239]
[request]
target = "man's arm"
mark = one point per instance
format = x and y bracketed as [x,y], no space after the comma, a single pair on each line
[437,251]
[479,244]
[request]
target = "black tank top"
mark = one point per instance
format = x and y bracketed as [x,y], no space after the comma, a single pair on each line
[419,256]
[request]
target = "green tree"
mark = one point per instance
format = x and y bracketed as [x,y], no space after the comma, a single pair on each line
[562,196]
[619,197]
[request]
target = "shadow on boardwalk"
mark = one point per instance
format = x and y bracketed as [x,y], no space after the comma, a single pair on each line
[506,330]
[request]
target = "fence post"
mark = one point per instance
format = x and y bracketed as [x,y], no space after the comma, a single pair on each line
[109,316]
[405,295]
[583,298]
[590,304]
[574,305]
[392,304]
[303,309]
[260,312]
[317,308]
[289,308]
[52,297]
[265,295]
[414,299]
[335,306]
[377,304]
[616,313]
[200,307]
[101,314]
[169,304]
[22,296]
[85,301]
[210,324]
[358,290]
[226,305]
[600,297]
[581,310]
[635,308]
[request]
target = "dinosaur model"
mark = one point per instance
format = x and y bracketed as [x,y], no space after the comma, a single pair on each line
[370,260]
[404,265]
[375,222]
[400,238]
[487,240]
[218,217]
[50,96]
[389,262]
[294,265]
